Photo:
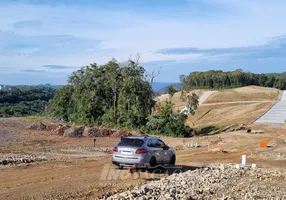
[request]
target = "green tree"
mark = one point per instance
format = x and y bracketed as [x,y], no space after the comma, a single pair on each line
[171,91]
[112,94]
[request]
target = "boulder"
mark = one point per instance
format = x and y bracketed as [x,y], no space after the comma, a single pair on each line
[60,129]
[91,132]
[74,132]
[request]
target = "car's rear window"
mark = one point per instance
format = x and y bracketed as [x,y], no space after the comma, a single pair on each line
[130,142]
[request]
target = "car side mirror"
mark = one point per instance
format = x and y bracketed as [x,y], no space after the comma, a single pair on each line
[166,147]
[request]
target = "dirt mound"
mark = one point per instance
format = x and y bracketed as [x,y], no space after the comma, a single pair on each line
[37,126]
[59,130]
[74,132]
[120,134]
[91,132]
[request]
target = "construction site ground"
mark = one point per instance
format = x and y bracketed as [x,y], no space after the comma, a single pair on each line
[77,170]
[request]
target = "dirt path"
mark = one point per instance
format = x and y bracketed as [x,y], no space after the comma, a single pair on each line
[237,102]
[205,95]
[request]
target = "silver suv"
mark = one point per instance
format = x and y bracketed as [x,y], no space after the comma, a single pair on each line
[142,152]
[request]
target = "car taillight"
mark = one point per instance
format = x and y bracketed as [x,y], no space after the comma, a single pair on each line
[139,151]
[115,149]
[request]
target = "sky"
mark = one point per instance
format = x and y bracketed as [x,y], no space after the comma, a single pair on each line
[43,41]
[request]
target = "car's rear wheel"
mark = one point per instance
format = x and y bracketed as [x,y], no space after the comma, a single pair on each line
[153,162]
[173,160]
[118,166]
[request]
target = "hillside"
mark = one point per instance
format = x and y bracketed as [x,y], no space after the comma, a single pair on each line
[249,93]
[230,106]
[227,114]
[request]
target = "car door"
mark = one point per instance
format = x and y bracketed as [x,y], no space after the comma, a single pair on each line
[155,149]
[165,153]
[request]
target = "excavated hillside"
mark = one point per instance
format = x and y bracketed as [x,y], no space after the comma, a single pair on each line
[228,107]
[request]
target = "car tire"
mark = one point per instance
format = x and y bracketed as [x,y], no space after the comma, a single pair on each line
[118,167]
[173,160]
[153,162]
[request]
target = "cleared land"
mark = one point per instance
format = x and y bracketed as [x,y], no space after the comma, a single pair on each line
[75,167]
[226,114]
[232,106]
[77,170]
[250,93]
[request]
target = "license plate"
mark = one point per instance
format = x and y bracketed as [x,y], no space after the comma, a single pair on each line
[126,152]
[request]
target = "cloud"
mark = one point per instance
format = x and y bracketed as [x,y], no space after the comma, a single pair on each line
[33,24]
[33,71]
[59,67]
[43,45]
[191,32]
[275,48]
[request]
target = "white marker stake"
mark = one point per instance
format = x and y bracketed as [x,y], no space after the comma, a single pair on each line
[243,159]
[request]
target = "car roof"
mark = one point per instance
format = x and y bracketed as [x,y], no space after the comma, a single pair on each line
[140,137]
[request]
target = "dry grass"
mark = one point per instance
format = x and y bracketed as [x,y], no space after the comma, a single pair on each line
[250,93]
[227,114]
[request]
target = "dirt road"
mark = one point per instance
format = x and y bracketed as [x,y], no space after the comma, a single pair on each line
[236,102]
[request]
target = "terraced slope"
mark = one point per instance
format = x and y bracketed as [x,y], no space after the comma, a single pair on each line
[276,115]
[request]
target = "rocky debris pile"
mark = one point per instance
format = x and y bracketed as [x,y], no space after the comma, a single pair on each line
[60,129]
[213,182]
[9,160]
[74,132]
[119,133]
[42,127]
[89,150]
[91,132]
[9,132]
[37,126]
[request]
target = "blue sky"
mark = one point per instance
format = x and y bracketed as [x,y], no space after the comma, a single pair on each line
[43,41]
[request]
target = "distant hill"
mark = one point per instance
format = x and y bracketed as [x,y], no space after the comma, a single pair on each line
[7,87]
[162,86]
[178,87]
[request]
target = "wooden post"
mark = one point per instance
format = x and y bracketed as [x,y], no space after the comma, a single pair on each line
[94,139]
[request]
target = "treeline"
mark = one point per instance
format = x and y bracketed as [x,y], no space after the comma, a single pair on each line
[18,102]
[219,79]
[16,95]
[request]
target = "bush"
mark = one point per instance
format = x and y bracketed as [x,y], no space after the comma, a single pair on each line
[167,123]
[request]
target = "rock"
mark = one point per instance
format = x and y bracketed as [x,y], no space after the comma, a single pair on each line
[21,159]
[60,129]
[214,182]
[91,132]
[73,132]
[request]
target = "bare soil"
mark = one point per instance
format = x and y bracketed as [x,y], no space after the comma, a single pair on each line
[77,170]
[249,93]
